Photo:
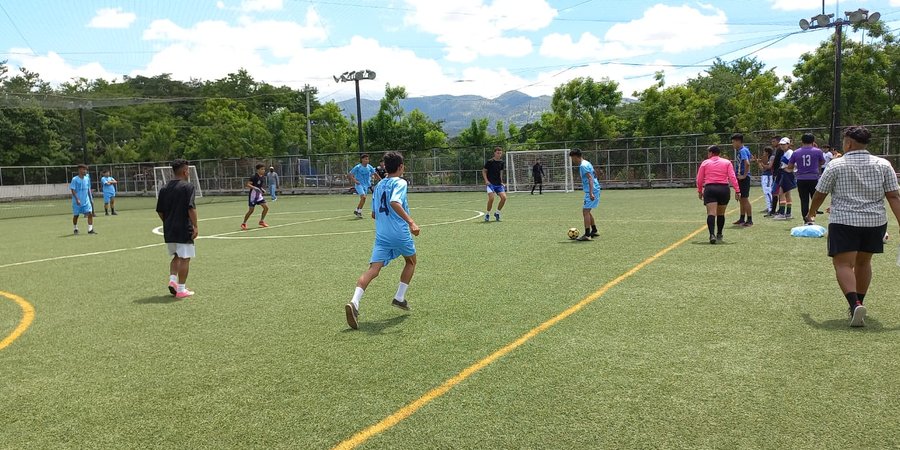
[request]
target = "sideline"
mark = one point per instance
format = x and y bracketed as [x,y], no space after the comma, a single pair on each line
[409,409]
[24,323]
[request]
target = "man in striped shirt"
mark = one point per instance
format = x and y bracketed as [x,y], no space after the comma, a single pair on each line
[858,183]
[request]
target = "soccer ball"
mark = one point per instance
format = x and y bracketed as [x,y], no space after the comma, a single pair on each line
[886,237]
[573,233]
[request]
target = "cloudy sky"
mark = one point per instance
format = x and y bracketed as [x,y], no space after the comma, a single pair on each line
[483,47]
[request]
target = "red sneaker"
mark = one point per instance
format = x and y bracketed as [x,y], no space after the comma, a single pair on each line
[243,226]
[263,224]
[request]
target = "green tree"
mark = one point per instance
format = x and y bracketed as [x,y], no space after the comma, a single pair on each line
[226,129]
[331,131]
[675,110]
[582,109]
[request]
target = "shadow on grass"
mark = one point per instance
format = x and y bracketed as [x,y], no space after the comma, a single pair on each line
[379,326]
[872,325]
[157,300]
[706,243]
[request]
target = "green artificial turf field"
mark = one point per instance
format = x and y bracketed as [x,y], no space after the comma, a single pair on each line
[743,344]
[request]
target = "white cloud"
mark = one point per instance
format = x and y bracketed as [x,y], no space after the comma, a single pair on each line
[810,5]
[470,28]
[671,29]
[895,2]
[783,58]
[261,5]
[588,47]
[112,18]
[54,69]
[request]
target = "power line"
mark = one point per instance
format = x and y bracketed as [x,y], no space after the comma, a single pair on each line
[15,27]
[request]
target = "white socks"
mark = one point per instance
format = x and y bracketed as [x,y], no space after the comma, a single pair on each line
[181,288]
[401,291]
[173,278]
[90,228]
[357,296]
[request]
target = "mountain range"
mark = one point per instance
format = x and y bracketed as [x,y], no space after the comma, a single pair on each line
[457,112]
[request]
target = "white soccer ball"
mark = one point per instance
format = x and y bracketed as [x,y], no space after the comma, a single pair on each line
[886,237]
[573,233]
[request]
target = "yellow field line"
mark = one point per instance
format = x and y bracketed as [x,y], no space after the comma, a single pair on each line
[27,318]
[408,410]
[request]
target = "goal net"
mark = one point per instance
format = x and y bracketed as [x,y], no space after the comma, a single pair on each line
[557,170]
[162,176]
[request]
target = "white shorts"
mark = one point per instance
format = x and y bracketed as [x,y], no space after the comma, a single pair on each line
[182,250]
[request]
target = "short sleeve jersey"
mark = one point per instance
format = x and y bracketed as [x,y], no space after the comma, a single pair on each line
[363,174]
[807,160]
[494,168]
[258,181]
[537,170]
[389,227]
[776,162]
[584,169]
[175,200]
[108,187]
[742,162]
[82,188]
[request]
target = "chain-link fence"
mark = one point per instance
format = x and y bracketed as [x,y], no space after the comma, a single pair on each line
[653,161]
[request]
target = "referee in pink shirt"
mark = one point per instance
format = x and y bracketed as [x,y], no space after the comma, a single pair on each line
[712,187]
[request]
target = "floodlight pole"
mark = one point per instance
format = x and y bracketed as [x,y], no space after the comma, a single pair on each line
[356,76]
[836,95]
[84,154]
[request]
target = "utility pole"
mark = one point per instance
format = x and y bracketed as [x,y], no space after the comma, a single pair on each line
[84,154]
[308,125]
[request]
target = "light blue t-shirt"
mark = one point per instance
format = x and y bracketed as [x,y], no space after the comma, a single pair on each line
[108,188]
[363,174]
[742,162]
[389,227]
[82,188]
[584,169]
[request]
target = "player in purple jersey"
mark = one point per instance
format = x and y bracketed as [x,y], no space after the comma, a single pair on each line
[808,161]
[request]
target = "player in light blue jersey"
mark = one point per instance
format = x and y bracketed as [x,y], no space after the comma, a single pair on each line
[591,186]
[109,192]
[81,198]
[361,177]
[394,229]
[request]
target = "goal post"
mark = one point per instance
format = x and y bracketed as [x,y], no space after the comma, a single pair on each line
[557,170]
[162,176]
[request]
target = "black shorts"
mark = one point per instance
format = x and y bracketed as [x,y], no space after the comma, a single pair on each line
[745,187]
[716,193]
[538,180]
[847,238]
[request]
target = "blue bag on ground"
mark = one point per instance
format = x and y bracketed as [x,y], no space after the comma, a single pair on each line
[808,231]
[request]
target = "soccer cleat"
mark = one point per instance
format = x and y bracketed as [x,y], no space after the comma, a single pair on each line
[769,215]
[719,238]
[747,224]
[594,234]
[357,214]
[858,315]
[92,232]
[184,294]
[115,213]
[243,226]
[497,217]
[402,304]
[487,217]
[352,316]
[712,239]
[583,237]
[76,231]
[173,287]
[779,217]
[263,224]
[106,214]
[737,222]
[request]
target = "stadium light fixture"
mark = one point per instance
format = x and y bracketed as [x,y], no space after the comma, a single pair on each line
[823,20]
[355,76]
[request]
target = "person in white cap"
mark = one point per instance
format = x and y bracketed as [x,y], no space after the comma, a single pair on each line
[787,181]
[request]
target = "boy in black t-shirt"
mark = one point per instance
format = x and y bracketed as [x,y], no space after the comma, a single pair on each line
[177,211]
[257,196]
[492,174]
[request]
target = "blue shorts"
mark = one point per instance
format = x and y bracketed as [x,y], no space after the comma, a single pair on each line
[360,189]
[788,182]
[496,188]
[85,208]
[591,204]
[107,196]
[384,253]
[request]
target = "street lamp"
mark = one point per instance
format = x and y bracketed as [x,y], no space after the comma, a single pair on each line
[355,76]
[823,20]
